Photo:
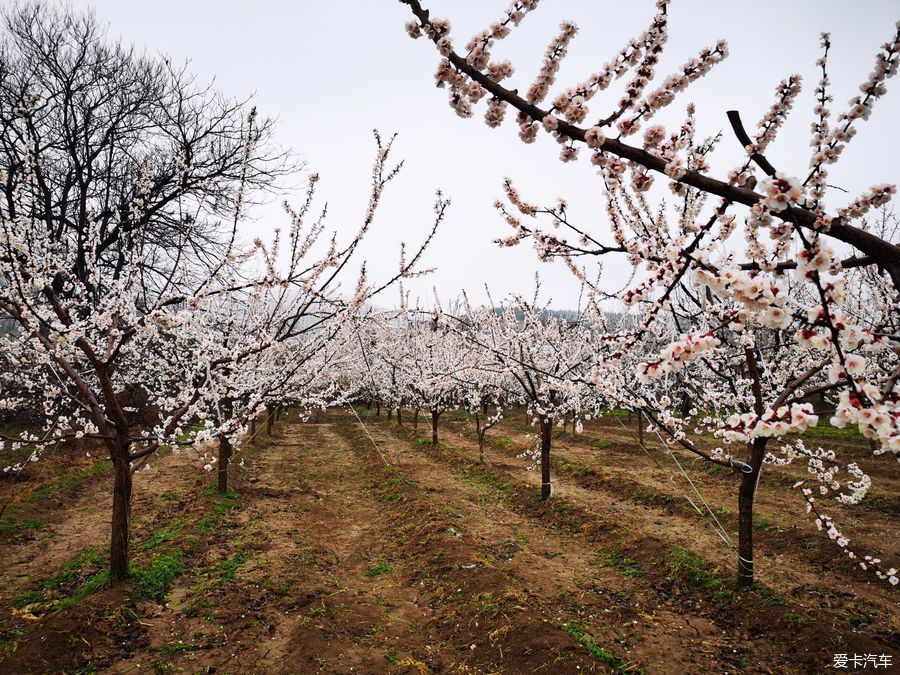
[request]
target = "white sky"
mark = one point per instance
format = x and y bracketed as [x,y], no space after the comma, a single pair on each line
[332,71]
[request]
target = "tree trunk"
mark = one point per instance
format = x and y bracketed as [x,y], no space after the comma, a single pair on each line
[252,428]
[224,460]
[121,518]
[640,424]
[416,419]
[399,419]
[369,404]
[378,409]
[434,427]
[484,408]
[481,447]
[270,421]
[390,412]
[546,435]
[746,495]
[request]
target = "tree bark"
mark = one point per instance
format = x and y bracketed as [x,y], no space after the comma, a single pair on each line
[121,517]
[640,424]
[434,427]
[270,421]
[378,409]
[399,419]
[390,412]
[224,460]
[746,496]
[252,428]
[750,479]
[546,436]
[416,419]
[480,432]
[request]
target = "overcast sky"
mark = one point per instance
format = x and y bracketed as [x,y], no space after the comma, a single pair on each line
[332,71]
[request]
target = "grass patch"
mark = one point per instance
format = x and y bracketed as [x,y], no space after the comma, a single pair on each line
[156,579]
[825,430]
[29,598]
[221,504]
[763,524]
[628,567]
[576,630]
[72,571]
[770,597]
[27,524]
[685,568]
[228,568]
[601,444]
[490,479]
[64,483]
[653,497]
[95,582]
[178,648]
[798,619]
[380,568]
[157,539]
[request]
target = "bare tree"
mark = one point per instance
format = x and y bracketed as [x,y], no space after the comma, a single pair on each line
[130,145]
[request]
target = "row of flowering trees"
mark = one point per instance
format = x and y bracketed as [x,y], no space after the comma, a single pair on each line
[751,292]
[135,315]
[483,360]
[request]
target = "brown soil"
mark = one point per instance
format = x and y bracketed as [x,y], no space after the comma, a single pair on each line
[325,559]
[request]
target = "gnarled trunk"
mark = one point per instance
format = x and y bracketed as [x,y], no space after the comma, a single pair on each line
[546,436]
[480,430]
[121,517]
[225,451]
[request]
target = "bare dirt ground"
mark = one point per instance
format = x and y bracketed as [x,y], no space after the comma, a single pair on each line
[326,559]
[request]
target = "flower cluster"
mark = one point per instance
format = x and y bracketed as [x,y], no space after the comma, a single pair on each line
[556,51]
[877,196]
[793,419]
[677,354]
[782,192]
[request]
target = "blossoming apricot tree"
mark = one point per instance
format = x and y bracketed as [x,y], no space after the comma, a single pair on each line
[745,282]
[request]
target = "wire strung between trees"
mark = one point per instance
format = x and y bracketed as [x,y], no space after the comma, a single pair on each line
[363,425]
[714,523]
